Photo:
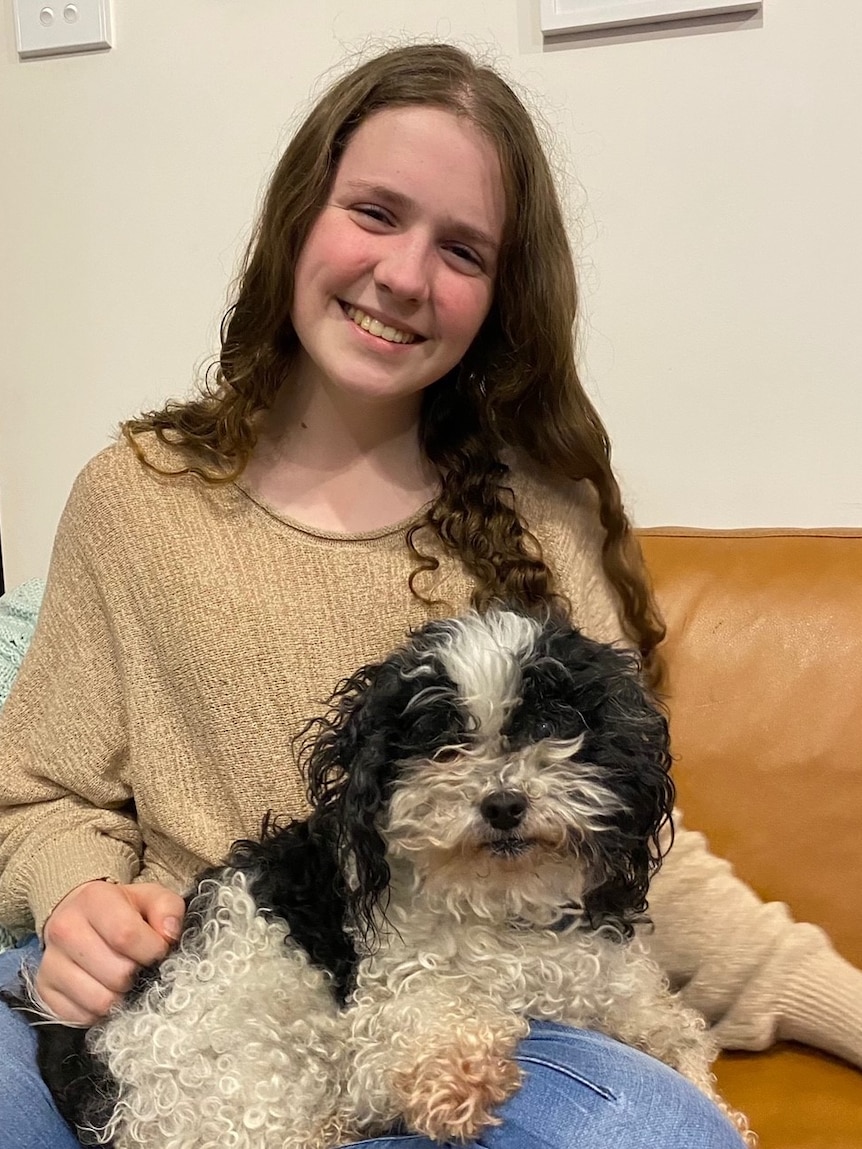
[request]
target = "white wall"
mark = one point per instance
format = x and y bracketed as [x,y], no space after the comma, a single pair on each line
[713,174]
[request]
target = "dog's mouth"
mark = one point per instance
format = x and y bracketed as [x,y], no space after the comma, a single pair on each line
[510,846]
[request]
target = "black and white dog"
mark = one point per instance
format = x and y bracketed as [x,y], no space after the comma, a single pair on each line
[487,804]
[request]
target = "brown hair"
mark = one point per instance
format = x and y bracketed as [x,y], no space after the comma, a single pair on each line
[516,388]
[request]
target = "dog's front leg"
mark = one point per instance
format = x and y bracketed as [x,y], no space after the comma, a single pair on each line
[441,1067]
[238,1041]
[457,1075]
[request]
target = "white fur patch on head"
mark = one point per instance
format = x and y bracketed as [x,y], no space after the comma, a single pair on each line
[483,655]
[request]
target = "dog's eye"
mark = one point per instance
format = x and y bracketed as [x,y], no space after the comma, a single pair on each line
[543,730]
[447,754]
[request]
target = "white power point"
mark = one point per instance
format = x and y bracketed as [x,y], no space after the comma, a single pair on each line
[58,28]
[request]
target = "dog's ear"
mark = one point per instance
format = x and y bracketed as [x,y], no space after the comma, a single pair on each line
[351,761]
[631,746]
[626,738]
[386,714]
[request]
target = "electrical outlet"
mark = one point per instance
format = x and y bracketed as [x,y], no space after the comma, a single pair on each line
[58,28]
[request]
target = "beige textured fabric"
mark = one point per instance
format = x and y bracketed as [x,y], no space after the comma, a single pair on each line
[188,633]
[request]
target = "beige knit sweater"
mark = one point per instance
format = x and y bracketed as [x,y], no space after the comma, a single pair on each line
[187,634]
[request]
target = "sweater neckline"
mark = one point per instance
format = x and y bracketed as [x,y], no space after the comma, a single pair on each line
[385,532]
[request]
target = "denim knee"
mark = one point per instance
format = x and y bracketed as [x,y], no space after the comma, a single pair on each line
[28,1118]
[583,1090]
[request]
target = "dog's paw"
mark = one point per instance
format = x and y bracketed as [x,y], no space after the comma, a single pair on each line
[449,1094]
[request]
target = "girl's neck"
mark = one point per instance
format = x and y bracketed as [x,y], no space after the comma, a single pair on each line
[339,463]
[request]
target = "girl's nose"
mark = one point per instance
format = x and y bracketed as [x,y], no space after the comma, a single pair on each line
[404,269]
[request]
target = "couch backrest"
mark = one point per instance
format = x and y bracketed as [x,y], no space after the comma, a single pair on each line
[764,651]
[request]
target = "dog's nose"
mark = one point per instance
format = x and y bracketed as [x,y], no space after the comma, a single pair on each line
[503,809]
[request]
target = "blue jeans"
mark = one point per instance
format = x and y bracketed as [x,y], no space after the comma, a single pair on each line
[582,1091]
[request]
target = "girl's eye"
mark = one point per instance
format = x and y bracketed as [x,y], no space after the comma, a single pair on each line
[372,211]
[465,254]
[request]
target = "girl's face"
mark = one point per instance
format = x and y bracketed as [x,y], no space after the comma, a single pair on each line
[397,273]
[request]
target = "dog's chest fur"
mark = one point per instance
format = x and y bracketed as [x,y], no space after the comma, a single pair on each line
[560,973]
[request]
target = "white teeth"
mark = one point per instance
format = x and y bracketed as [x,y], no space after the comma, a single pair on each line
[375,327]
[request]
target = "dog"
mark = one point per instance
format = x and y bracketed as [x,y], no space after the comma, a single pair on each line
[488,806]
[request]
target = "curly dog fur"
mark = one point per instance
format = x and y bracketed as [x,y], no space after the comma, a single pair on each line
[487,804]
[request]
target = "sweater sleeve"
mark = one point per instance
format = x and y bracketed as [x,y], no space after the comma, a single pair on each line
[65,812]
[753,972]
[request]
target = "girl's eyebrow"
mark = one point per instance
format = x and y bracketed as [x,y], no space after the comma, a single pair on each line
[403,202]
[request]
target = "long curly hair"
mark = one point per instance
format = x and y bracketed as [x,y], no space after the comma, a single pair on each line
[517,388]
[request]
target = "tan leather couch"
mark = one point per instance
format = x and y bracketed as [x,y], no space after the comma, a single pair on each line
[764,651]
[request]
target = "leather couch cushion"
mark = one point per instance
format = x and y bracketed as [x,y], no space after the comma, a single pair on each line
[795,1098]
[764,651]
[764,654]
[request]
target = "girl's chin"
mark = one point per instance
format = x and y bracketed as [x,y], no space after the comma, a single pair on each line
[371,389]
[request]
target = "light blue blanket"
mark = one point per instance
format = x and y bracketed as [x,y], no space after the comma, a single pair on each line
[18,611]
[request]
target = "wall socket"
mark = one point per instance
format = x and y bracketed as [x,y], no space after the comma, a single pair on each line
[61,28]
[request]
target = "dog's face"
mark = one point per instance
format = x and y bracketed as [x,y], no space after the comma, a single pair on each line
[515,766]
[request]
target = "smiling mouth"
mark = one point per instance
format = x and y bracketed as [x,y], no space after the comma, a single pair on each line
[375,327]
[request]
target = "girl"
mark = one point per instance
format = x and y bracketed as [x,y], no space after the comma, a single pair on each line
[395,428]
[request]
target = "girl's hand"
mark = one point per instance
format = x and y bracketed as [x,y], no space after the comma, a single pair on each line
[96,940]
